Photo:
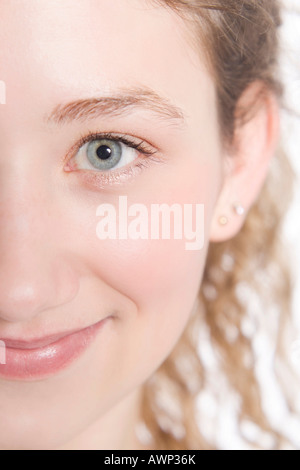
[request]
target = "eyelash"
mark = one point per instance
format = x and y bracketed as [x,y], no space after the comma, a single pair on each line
[118,175]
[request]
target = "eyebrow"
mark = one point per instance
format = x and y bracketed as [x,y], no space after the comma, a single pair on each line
[117,105]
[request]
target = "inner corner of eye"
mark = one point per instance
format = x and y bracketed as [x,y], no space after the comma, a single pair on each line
[69,166]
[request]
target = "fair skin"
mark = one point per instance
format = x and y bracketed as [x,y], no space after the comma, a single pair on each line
[55,274]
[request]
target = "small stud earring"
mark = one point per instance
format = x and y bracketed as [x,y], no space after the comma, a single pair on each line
[239,209]
[223,220]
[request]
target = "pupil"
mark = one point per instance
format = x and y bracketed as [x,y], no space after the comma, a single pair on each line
[104,152]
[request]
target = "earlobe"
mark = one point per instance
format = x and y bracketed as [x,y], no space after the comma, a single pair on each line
[255,142]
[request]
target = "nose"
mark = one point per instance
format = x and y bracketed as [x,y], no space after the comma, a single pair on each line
[35,274]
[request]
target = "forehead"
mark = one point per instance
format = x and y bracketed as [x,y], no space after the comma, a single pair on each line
[55,48]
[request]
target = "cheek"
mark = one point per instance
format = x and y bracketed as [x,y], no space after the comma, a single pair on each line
[158,274]
[151,284]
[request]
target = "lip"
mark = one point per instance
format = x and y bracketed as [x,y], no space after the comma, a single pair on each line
[43,357]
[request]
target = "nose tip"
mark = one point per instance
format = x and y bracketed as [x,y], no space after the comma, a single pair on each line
[25,294]
[21,301]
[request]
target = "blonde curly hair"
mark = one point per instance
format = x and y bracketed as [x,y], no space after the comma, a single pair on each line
[241,39]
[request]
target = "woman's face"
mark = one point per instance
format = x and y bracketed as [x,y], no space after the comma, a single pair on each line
[129,70]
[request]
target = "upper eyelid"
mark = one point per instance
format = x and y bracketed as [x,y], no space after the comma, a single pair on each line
[90,136]
[123,138]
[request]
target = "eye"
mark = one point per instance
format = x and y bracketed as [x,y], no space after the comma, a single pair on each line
[99,158]
[104,154]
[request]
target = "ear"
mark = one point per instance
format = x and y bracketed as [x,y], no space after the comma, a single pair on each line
[245,170]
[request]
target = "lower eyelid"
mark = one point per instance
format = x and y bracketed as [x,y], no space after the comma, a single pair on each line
[96,179]
[110,179]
